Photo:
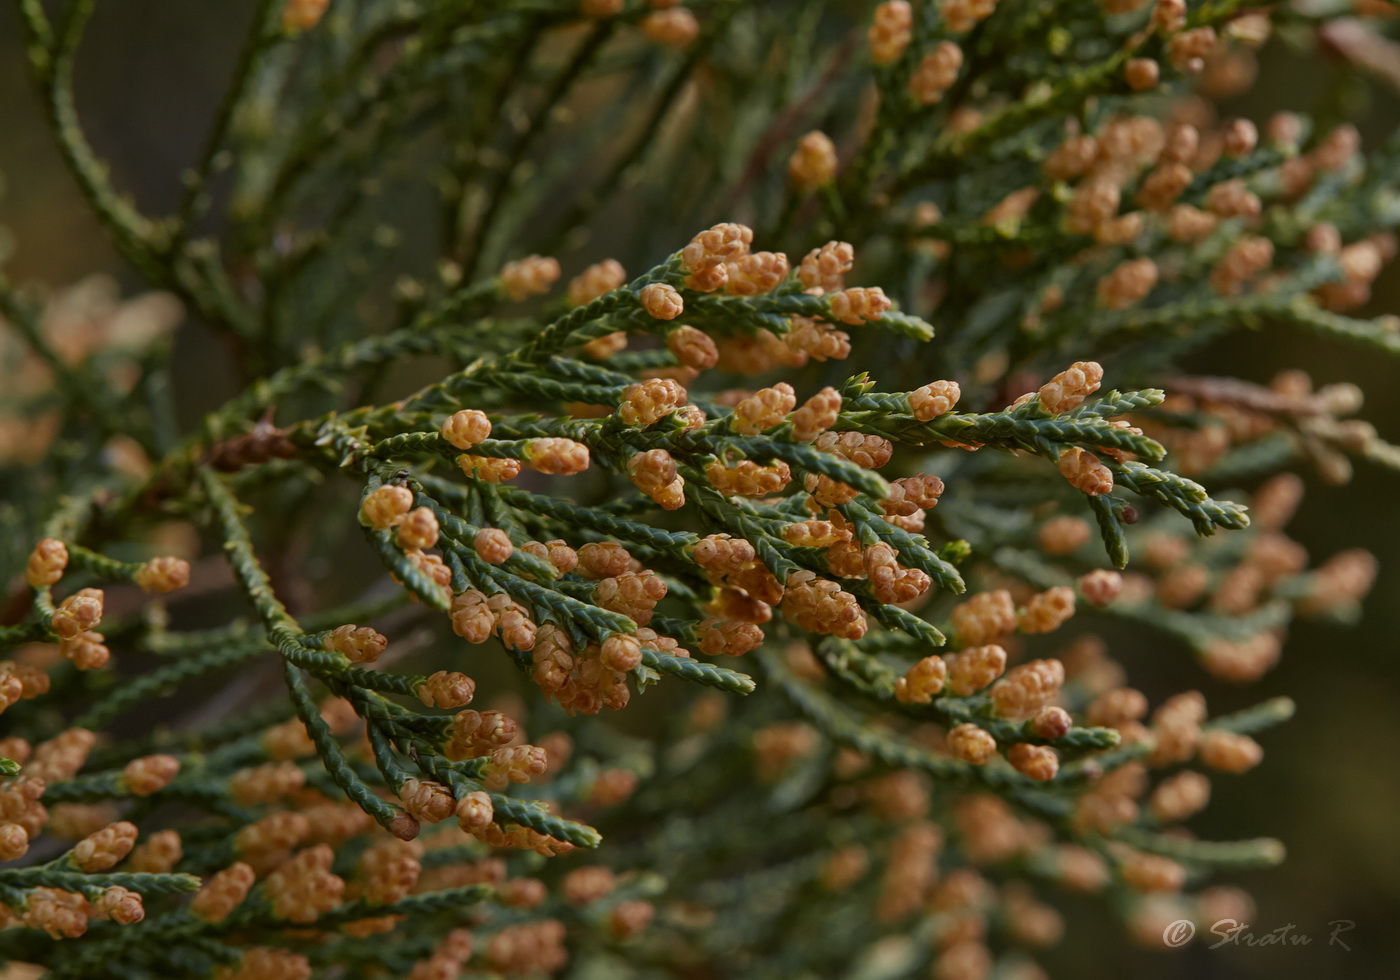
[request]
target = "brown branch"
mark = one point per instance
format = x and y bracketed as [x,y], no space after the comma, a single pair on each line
[779,131]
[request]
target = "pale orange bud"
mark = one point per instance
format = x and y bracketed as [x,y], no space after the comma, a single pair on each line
[358,644]
[1084,472]
[302,15]
[163,575]
[971,744]
[150,774]
[531,276]
[419,529]
[447,689]
[813,163]
[465,429]
[46,563]
[661,301]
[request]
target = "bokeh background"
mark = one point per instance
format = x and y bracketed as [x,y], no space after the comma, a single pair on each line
[149,77]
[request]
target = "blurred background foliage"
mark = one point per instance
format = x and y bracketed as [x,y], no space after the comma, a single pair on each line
[149,79]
